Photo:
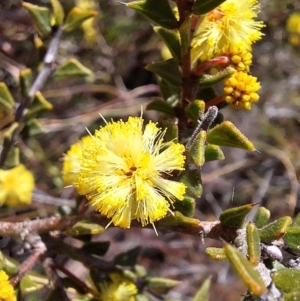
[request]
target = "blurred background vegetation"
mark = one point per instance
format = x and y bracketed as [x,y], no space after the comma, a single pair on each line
[116,46]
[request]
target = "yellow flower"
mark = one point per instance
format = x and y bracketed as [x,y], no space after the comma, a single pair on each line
[118,289]
[6,289]
[72,159]
[16,186]
[240,90]
[293,27]
[124,171]
[231,23]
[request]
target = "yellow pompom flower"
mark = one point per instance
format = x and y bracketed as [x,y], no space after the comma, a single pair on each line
[71,166]
[16,186]
[293,27]
[6,289]
[124,169]
[240,90]
[118,289]
[231,23]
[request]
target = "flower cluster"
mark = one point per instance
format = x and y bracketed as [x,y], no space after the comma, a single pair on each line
[293,28]
[6,289]
[240,90]
[230,30]
[123,170]
[16,186]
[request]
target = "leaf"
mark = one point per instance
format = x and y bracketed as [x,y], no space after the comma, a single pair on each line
[197,150]
[192,180]
[160,285]
[287,279]
[128,258]
[84,227]
[168,70]
[262,217]
[171,39]
[216,253]
[160,106]
[58,12]
[158,11]
[253,242]
[77,16]
[203,292]
[186,206]
[213,152]
[38,105]
[226,134]
[28,286]
[245,270]
[6,99]
[275,230]
[171,129]
[209,80]
[293,295]
[194,109]
[201,7]
[292,237]
[296,221]
[32,128]
[41,18]
[25,82]
[71,69]
[235,217]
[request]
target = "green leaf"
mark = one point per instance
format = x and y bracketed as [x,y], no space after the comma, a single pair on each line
[186,206]
[171,39]
[85,227]
[262,217]
[13,158]
[41,18]
[194,109]
[287,279]
[58,12]
[235,217]
[168,70]
[128,258]
[158,11]
[203,292]
[160,285]
[172,129]
[38,105]
[292,237]
[28,286]
[25,82]
[170,94]
[208,80]
[296,221]
[216,253]
[71,69]
[197,150]
[226,134]
[6,99]
[160,106]
[201,7]
[275,230]
[192,180]
[213,152]
[245,270]
[293,295]
[77,16]
[32,128]
[253,242]
[97,248]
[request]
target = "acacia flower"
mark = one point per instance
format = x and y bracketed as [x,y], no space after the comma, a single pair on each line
[118,289]
[240,90]
[71,166]
[6,289]
[123,171]
[16,186]
[231,23]
[293,28]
